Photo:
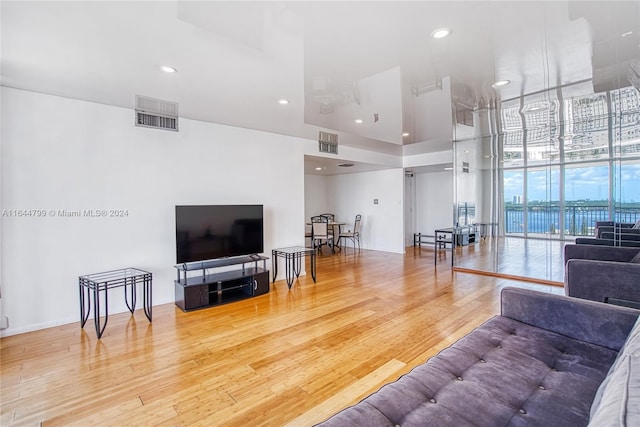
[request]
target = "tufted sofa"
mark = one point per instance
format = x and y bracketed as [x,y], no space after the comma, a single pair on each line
[542,362]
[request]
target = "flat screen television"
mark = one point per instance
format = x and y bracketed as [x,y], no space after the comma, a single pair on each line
[218,231]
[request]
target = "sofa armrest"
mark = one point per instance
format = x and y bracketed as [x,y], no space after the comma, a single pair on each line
[602,280]
[593,322]
[614,224]
[599,252]
[620,236]
[606,242]
[604,224]
[619,230]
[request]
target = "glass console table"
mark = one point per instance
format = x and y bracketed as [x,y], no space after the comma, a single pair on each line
[127,278]
[293,259]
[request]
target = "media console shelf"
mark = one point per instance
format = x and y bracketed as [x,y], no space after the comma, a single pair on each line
[196,287]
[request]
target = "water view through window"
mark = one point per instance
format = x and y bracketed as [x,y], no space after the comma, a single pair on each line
[587,199]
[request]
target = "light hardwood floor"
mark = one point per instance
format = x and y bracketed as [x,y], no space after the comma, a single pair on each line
[291,357]
[537,258]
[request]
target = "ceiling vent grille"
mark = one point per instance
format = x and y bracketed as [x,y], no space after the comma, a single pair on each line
[328,142]
[156,113]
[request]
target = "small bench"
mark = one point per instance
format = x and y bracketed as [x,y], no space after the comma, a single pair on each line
[420,238]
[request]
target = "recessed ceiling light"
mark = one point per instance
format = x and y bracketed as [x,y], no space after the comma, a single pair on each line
[358,121]
[440,33]
[448,169]
[168,69]
[500,83]
[283,101]
[405,133]
[318,169]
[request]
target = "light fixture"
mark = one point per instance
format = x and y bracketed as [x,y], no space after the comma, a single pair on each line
[283,101]
[318,169]
[535,108]
[358,121]
[440,33]
[168,69]
[448,169]
[627,34]
[405,133]
[500,83]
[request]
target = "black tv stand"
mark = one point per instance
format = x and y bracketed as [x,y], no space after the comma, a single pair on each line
[196,287]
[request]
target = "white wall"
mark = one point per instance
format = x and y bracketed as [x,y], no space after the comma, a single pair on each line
[316,197]
[434,201]
[63,154]
[382,223]
[433,120]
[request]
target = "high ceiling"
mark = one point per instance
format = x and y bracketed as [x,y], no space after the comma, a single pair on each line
[333,61]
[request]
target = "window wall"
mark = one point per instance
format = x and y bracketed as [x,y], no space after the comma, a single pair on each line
[586,170]
[551,165]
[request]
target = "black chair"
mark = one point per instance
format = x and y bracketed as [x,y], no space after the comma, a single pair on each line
[330,218]
[354,235]
[320,233]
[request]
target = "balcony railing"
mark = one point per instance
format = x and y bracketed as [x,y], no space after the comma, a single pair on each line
[578,220]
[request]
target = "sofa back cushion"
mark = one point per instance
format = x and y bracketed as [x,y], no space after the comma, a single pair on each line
[617,401]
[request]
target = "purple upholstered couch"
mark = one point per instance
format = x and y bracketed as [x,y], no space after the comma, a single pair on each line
[603,273]
[547,360]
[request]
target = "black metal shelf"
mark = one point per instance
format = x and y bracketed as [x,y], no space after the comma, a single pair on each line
[220,277]
[205,289]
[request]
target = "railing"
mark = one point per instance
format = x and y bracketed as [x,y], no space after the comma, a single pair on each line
[578,220]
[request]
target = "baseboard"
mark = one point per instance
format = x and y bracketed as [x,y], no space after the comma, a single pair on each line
[508,276]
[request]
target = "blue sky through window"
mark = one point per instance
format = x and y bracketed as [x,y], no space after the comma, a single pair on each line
[582,183]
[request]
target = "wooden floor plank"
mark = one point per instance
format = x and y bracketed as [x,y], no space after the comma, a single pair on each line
[290,357]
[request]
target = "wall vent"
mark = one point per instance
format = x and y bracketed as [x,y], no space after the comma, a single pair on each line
[328,142]
[156,113]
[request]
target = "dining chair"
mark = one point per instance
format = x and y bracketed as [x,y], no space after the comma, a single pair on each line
[308,234]
[320,231]
[330,218]
[354,235]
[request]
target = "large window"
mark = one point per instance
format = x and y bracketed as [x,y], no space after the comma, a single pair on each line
[626,191]
[559,180]
[586,197]
[513,183]
[543,207]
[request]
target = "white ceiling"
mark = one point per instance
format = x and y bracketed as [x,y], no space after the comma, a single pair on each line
[235,60]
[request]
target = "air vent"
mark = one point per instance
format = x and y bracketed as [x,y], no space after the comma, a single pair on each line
[156,113]
[345,165]
[328,142]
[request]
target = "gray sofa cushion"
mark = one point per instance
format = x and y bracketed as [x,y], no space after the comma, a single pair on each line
[617,401]
[503,373]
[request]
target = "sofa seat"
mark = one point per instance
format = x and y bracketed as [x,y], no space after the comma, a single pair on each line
[504,373]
